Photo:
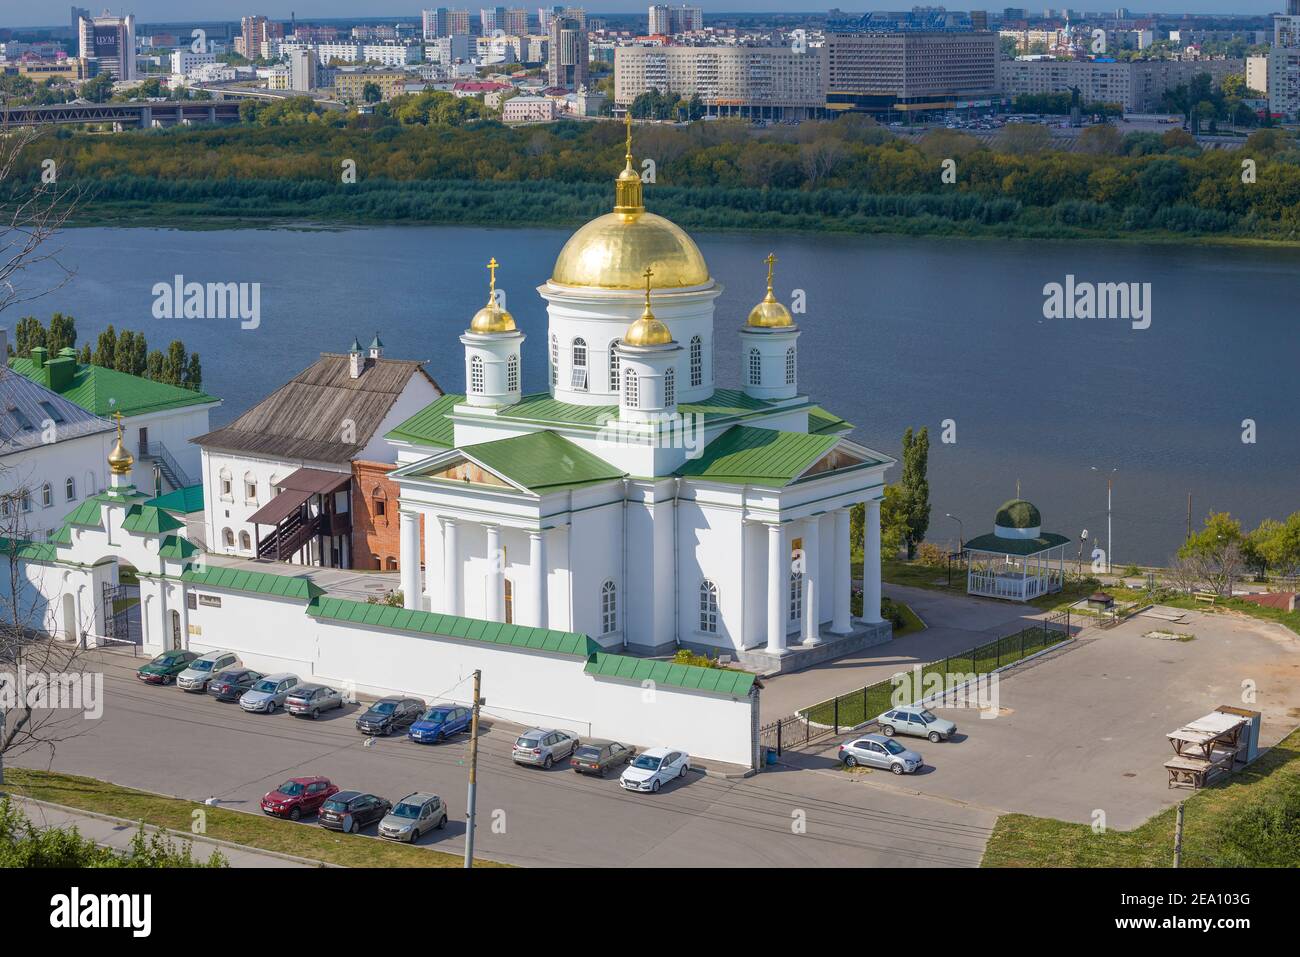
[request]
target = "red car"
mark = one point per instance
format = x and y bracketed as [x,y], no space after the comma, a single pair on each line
[298,796]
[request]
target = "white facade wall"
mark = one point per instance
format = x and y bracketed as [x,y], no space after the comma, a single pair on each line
[83,459]
[173,428]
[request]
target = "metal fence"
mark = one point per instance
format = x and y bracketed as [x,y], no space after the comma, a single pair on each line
[860,706]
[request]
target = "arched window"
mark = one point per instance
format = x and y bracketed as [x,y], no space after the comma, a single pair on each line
[631,390]
[245,542]
[250,487]
[379,504]
[755,368]
[227,485]
[392,563]
[708,607]
[555,360]
[789,366]
[228,538]
[608,608]
[578,372]
[796,596]
[510,602]
[613,367]
[512,374]
[70,489]
[697,362]
[47,495]
[476,374]
[670,386]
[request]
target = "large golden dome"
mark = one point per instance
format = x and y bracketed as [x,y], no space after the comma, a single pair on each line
[614,251]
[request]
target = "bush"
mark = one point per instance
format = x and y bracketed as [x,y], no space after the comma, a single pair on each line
[892,613]
[1266,834]
[931,555]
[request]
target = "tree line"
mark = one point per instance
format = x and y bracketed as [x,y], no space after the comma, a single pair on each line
[126,351]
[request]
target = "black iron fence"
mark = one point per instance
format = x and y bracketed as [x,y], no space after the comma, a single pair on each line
[857,707]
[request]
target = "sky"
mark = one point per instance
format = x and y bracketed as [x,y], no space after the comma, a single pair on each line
[18,13]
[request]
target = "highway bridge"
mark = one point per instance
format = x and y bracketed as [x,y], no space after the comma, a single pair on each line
[123,115]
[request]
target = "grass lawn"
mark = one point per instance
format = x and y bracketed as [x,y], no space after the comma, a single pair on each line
[1022,841]
[238,827]
[912,622]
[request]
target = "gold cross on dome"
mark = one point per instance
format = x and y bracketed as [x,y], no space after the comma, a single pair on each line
[648,273]
[118,417]
[627,122]
[492,268]
[771,261]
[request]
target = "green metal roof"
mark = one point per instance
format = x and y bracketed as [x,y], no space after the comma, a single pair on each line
[821,422]
[28,551]
[429,426]
[174,546]
[93,387]
[183,501]
[1016,546]
[261,583]
[669,674]
[747,455]
[89,513]
[452,626]
[542,462]
[1017,513]
[149,520]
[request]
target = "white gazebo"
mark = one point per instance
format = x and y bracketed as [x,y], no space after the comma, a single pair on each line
[1018,561]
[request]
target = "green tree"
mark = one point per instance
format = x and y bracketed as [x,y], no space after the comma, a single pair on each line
[194,373]
[371,93]
[106,349]
[1216,552]
[915,491]
[62,334]
[173,370]
[154,366]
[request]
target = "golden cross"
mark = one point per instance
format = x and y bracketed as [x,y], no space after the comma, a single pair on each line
[771,261]
[118,416]
[627,121]
[492,267]
[648,273]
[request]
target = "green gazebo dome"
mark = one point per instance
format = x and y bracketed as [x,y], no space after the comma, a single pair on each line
[1018,513]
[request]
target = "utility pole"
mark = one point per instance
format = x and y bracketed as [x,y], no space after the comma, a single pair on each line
[1189,516]
[1178,837]
[473,774]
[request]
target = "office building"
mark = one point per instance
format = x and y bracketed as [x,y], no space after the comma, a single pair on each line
[909,71]
[568,57]
[754,82]
[108,44]
[1137,86]
[302,69]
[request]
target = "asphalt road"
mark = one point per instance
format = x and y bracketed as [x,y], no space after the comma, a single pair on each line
[164,740]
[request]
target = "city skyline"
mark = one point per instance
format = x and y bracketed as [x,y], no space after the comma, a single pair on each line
[168,11]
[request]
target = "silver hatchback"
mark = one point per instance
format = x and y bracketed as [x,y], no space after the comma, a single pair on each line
[544,746]
[878,751]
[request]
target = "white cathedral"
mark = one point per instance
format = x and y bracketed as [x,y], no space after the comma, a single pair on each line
[635,500]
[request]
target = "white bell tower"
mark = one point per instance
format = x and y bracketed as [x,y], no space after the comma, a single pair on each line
[769,358]
[493,374]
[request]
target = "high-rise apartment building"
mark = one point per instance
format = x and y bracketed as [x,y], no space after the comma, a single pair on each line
[547,15]
[516,22]
[491,19]
[257,37]
[568,53]
[302,69]
[909,71]
[665,20]
[774,83]
[442,22]
[108,44]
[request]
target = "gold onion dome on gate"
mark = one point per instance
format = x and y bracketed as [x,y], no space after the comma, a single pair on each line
[770,314]
[120,460]
[647,331]
[493,317]
[613,251]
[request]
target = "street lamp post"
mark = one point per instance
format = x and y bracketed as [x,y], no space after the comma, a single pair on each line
[961,545]
[1110,540]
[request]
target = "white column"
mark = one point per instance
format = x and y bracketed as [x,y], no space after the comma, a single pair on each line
[409,562]
[843,619]
[452,594]
[432,563]
[778,580]
[537,579]
[495,582]
[871,564]
[811,582]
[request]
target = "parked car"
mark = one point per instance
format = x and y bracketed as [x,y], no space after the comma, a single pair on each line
[543,746]
[164,669]
[650,770]
[298,797]
[917,721]
[412,816]
[231,685]
[311,700]
[201,669]
[390,714]
[350,811]
[439,723]
[878,751]
[268,693]
[595,756]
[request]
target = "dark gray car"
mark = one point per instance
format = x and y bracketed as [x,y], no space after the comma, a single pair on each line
[389,715]
[311,700]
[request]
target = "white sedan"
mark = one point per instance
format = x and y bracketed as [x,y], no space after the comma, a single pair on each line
[650,770]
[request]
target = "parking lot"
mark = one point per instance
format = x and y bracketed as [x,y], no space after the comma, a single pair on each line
[1083,729]
[164,740]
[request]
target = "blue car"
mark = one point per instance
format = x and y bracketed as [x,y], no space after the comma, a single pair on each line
[439,723]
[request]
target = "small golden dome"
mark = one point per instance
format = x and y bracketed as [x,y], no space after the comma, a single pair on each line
[613,251]
[493,317]
[770,314]
[647,331]
[120,460]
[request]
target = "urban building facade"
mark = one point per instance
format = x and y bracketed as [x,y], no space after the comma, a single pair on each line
[567,56]
[914,70]
[108,44]
[665,20]
[1138,86]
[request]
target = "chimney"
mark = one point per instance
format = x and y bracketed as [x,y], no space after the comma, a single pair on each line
[356,361]
[376,348]
[62,373]
[38,355]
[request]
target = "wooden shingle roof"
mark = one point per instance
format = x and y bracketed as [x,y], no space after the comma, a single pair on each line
[304,418]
